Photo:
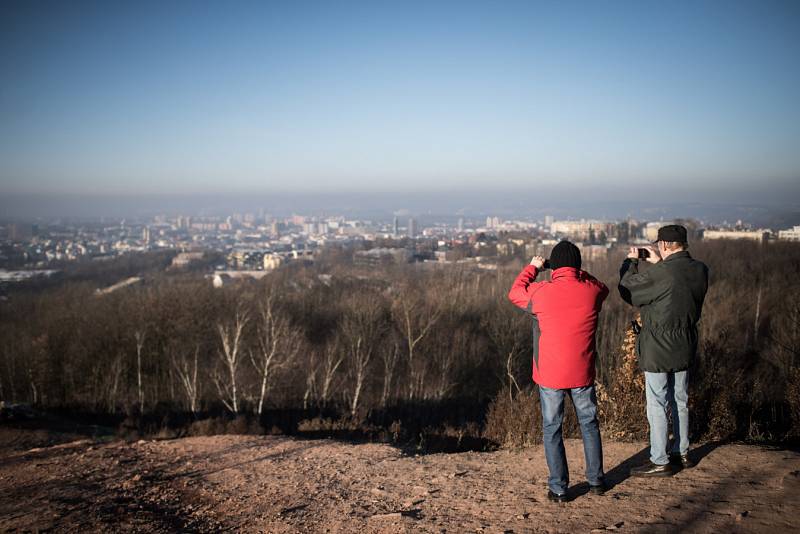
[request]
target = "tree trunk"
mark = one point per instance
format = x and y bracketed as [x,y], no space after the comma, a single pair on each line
[140,337]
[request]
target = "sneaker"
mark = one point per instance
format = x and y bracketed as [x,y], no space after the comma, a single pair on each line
[653,470]
[557,497]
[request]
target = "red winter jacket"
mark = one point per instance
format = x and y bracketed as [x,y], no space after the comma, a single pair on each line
[566,310]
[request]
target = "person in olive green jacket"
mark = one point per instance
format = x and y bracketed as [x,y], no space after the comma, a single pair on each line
[670,297]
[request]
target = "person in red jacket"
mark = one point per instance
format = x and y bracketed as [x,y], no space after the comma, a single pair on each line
[565,311]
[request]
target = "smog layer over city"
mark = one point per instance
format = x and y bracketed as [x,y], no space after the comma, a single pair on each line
[336,266]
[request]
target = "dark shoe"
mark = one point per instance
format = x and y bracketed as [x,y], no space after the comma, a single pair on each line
[682,460]
[652,470]
[557,497]
[599,489]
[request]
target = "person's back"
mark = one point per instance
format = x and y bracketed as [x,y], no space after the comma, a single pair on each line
[670,304]
[565,311]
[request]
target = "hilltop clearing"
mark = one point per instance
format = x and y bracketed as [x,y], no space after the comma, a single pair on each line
[280,484]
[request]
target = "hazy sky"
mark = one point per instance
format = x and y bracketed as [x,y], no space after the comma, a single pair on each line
[165,97]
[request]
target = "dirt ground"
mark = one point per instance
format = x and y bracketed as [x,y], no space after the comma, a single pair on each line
[279,484]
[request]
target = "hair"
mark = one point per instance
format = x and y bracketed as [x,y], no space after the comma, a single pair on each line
[675,245]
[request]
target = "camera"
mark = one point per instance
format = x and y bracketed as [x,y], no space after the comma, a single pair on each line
[546,264]
[643,253]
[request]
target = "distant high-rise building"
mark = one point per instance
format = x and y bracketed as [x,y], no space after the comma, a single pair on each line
[412,227]
[489,222]
[548,221]
[623,232]
[461,224]
[146,235]
[395,227]
[20,232]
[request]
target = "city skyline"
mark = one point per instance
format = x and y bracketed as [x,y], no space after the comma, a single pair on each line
[696,102]
[767,212]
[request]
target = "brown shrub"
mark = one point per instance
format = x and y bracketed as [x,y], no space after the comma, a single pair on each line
[207,427]
[516,420]
[327,424]
[719,394]
[244,425]
[220,425]
[622,405]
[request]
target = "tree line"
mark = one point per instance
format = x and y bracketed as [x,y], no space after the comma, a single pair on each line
[353,339]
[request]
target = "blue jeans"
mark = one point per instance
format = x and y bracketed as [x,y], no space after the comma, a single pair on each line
[667,391]
[585,402]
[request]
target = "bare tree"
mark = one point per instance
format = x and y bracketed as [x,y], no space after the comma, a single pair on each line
[311,379]
[278,344]
[10,369]
[445,358]
[785,333]
[414,317]
[333,358]
[187,375]
[390,357]
[117,366]
[508,333]
[230,335]
[362,326]
[139,336]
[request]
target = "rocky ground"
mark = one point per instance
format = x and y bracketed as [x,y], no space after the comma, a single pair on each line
[279,484]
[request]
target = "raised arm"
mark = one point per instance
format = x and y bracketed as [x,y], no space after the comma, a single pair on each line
[635,288]
[520,293]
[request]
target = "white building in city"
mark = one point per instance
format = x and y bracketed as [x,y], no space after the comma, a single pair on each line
[581,230]
[792,234]
[753,235]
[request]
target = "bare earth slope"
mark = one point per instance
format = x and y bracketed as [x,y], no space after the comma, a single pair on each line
[278,484]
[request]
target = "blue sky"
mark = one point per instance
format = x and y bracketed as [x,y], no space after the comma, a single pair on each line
[192,97]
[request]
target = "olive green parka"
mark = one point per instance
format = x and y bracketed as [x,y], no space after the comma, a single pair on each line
[670,297]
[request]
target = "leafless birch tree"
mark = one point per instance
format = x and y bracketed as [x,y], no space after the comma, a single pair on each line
[331,362]
[414,317]
[139,336]
[278,344]
[390,356]
[362,327]
[230,335]
[187,375]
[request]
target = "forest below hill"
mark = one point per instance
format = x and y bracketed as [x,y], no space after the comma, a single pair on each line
[398,353]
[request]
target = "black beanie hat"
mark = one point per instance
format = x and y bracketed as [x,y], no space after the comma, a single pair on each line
[565,254]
